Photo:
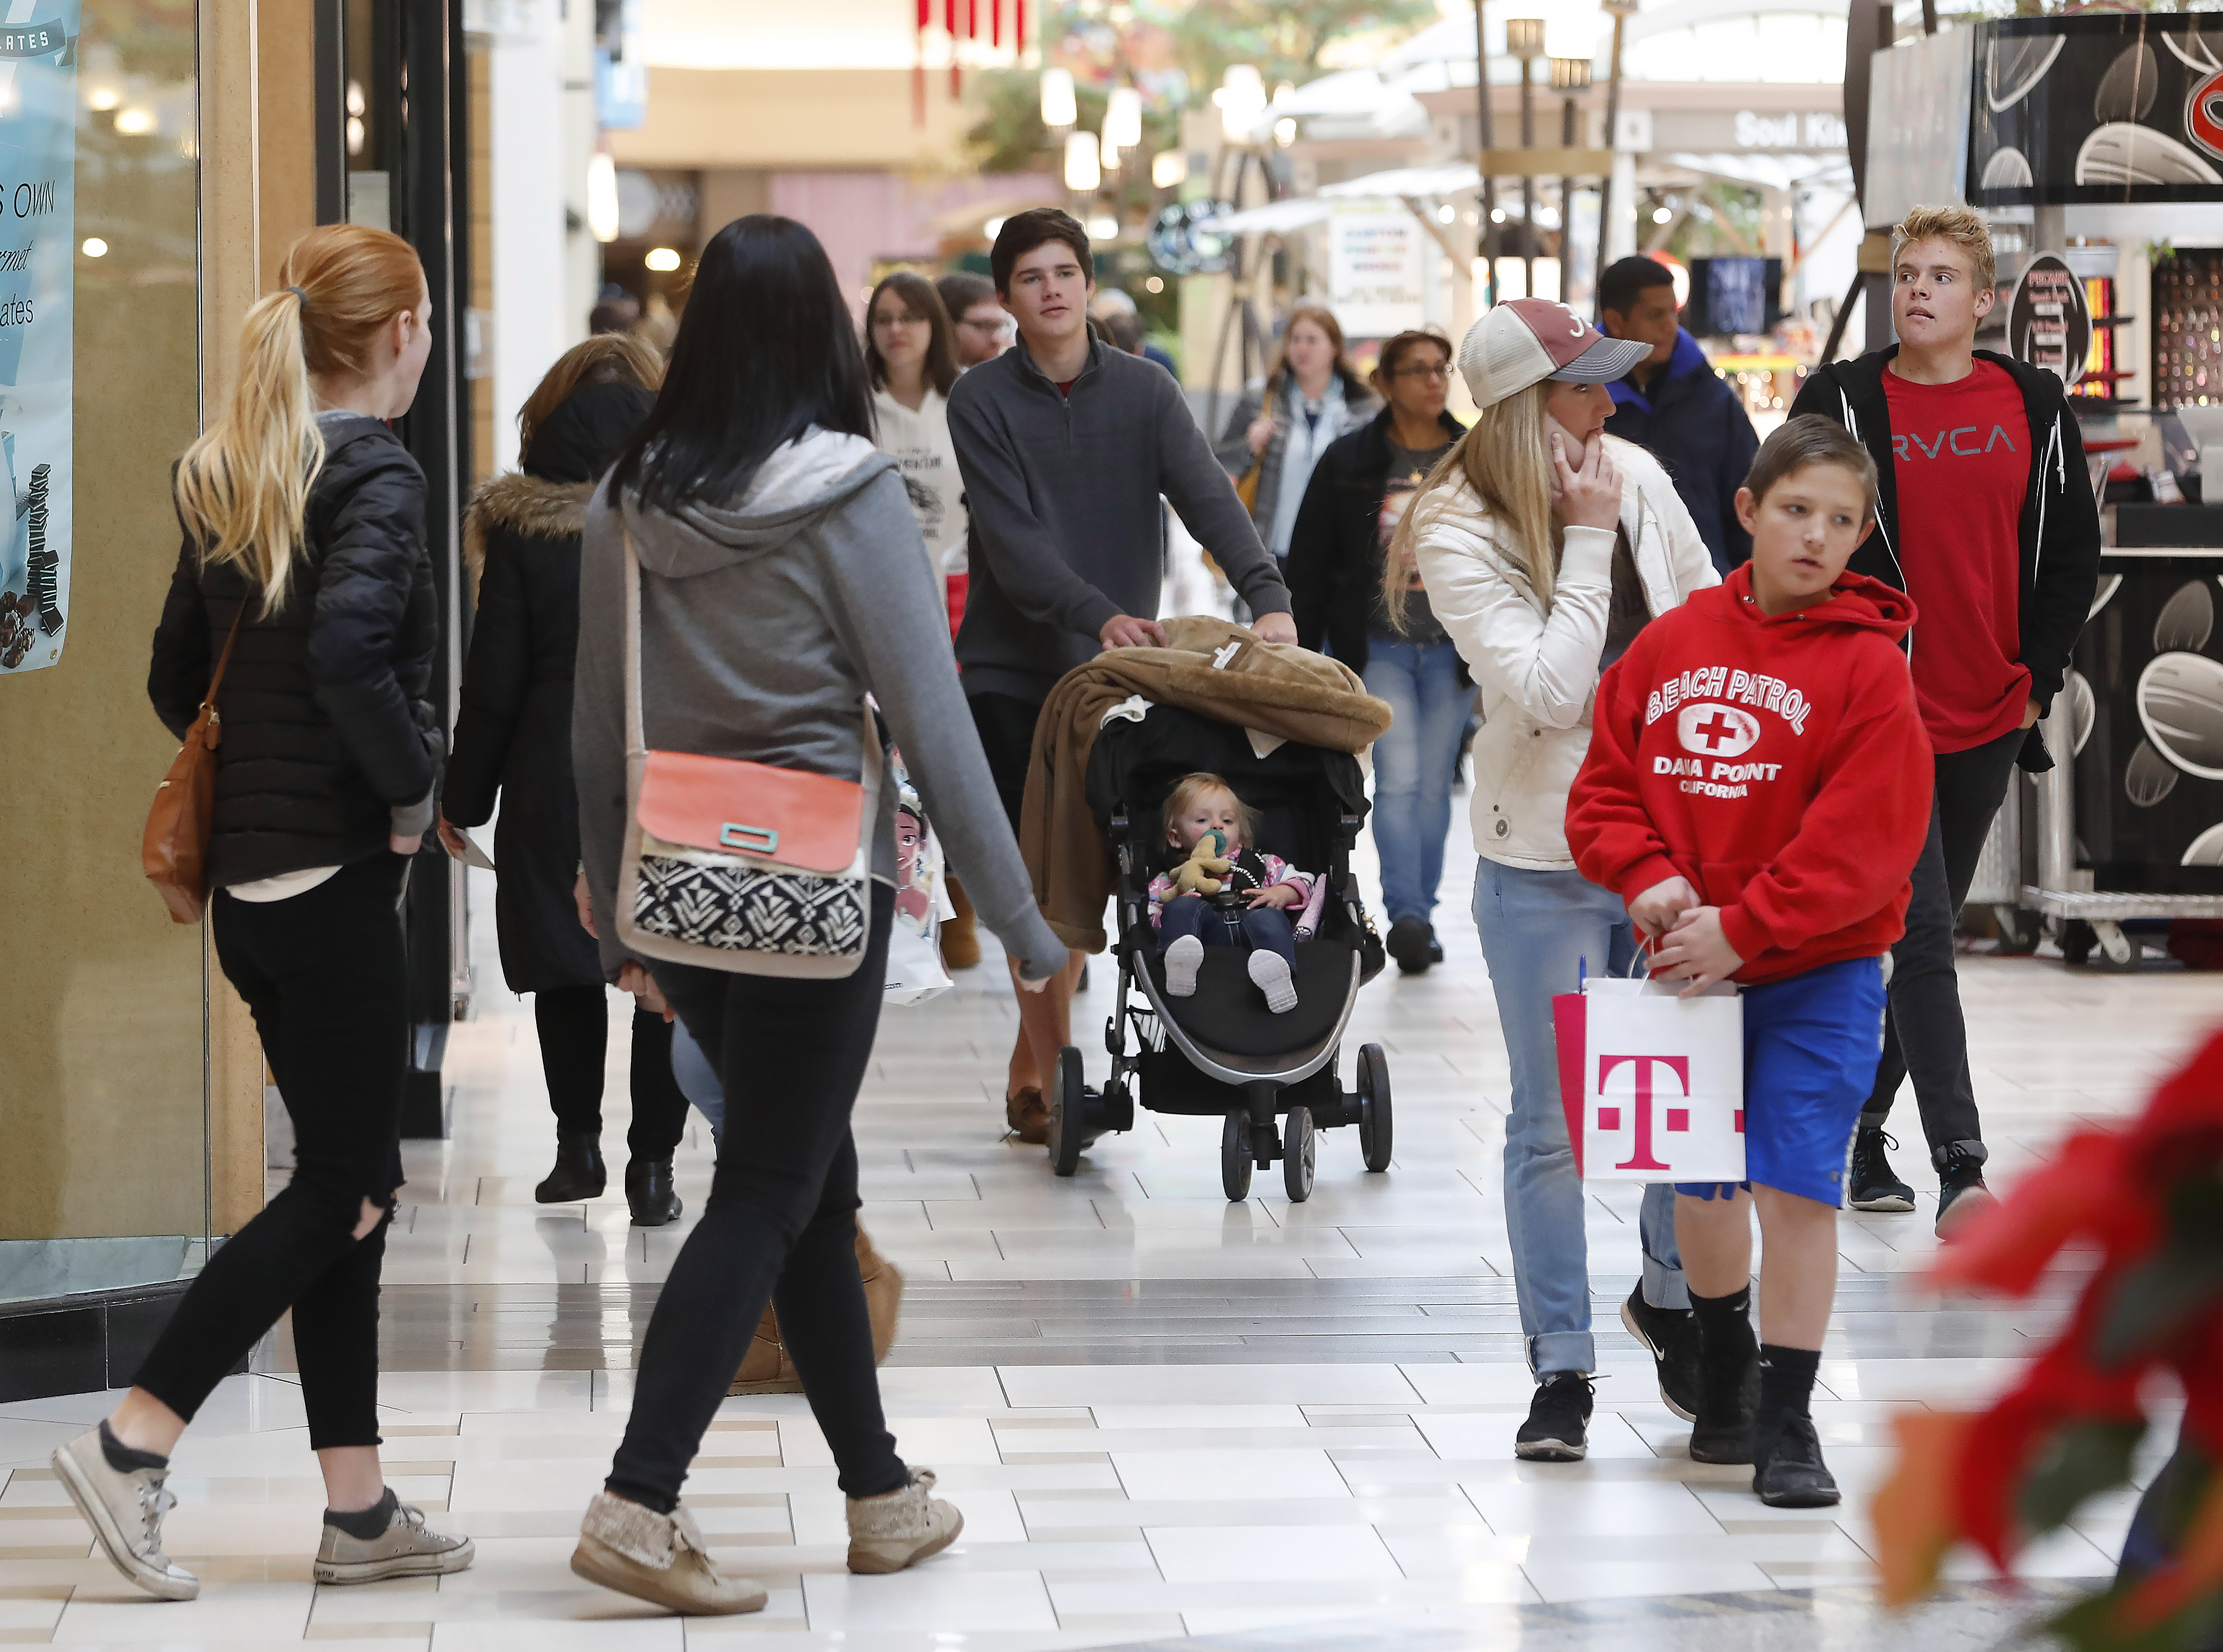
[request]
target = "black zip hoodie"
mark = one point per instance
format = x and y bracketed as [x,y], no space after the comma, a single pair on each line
[2060,538]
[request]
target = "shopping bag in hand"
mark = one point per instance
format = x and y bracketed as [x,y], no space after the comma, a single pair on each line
[915,970]
[1652,1084]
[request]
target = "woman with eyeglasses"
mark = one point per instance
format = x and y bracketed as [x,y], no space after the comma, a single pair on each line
[1358,494]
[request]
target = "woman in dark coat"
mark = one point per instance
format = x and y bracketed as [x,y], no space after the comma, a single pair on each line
[513,736]
[1357,495]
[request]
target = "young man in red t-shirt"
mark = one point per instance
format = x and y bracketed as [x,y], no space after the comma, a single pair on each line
[1985,517]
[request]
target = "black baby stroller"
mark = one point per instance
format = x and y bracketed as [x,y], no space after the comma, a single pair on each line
[1222,1051]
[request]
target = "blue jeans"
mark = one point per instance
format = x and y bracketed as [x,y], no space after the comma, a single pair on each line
[1538,930]
[1268,929]
[1413,765]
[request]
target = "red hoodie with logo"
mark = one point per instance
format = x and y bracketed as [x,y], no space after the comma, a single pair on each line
[1780,763]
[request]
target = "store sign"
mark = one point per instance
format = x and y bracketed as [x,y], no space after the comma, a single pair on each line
[1375,271]
[1716,131]
[38,245]
[2101,109]
[2048,323]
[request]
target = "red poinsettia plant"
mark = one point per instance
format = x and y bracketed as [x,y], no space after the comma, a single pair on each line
[2149,1199]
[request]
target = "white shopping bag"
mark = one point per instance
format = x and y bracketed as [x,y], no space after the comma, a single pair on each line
[1663,1083]
[915,970]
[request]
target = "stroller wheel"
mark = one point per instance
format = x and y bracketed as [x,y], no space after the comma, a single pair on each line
[1374,1117]
[1235,1157]
[1298,1149]
[1068,1115]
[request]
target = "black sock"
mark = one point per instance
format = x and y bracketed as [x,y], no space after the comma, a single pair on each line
[1786,1385]
[1725,1324]
[365,1523]
[123,1458]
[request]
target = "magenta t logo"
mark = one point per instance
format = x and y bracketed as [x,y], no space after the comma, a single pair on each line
[1678,1117]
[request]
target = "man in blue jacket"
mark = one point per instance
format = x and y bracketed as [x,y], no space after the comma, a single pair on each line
[1676,407]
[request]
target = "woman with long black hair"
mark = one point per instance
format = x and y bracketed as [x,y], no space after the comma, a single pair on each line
[514,737]
[305,564]
[782,579]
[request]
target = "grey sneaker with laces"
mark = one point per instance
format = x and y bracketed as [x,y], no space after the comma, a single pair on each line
[125,1511]
[636,1551]
[407,1549]
[901,1528]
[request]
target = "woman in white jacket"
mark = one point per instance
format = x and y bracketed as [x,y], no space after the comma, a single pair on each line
[1545,546]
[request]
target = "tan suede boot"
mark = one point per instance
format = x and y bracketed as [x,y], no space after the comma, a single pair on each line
[766,1369]
[638,1552]
[901,1528]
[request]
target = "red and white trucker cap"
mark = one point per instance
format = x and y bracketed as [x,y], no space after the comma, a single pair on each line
[1522,342]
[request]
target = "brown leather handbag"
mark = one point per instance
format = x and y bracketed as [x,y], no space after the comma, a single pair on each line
[174,851]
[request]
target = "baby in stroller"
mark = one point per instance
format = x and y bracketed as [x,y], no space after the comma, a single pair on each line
[1257,895]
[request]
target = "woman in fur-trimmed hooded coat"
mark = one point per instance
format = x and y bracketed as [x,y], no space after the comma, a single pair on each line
[513,736]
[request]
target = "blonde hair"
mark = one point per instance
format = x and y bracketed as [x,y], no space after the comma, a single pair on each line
[1194,788]
[243,488]
[607,358]
[1503,459]
[1959,224]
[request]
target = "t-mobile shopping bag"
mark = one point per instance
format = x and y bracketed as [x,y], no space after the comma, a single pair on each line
[1661,1083]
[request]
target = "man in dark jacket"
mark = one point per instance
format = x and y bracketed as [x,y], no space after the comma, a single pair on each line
[1065,446]
[1984,515]
[1676,407]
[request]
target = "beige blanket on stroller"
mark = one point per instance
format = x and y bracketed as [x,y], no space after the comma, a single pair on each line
[1207,665]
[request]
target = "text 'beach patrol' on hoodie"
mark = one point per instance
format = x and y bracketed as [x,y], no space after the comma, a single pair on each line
[1777,762]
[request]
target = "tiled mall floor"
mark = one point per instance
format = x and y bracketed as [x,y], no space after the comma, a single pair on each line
[1260,1425]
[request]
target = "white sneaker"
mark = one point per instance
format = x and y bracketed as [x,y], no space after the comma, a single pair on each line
[901,1528]
[125,1512]
[1270,971]
[407,1549]
[1183,958]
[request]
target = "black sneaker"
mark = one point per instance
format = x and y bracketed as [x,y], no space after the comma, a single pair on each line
[1729,1402]
[1435,947]
[1960,1190]
[1788,1472]
[1410,939]
[1670,1336]
[1558,1429]
[1873,1185]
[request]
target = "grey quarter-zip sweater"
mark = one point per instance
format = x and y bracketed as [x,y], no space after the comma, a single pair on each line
[1062,488]
[763,623]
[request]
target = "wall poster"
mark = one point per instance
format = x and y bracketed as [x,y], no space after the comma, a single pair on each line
[1375,273]
[38,261]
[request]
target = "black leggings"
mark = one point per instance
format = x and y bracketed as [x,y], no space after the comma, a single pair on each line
[323,975]
[780,1225]
[1925,1035]
[574,1022]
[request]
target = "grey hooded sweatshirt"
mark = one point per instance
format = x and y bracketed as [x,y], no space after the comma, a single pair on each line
[763,623]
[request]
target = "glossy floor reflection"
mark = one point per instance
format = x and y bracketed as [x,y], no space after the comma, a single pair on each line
[1261,1426]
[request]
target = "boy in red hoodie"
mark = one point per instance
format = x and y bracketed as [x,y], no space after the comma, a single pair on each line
[1758,789]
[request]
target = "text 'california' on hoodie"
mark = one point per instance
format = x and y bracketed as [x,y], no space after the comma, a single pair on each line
[1779,763]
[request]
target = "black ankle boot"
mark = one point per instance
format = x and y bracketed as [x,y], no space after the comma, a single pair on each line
[579,1173]
[648,1190]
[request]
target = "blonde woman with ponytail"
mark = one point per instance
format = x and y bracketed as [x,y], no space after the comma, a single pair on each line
[1544,546]
[305,556]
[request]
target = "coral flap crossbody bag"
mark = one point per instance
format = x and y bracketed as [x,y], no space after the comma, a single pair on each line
[742,867]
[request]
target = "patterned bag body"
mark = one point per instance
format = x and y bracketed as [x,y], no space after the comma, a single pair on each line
[742,867]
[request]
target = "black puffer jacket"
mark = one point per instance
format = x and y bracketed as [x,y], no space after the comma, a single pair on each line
[513,732]
[329,742]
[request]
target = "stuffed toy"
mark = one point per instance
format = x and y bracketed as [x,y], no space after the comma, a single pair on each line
[1207,866]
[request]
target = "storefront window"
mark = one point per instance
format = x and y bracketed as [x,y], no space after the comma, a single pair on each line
[102,1093]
